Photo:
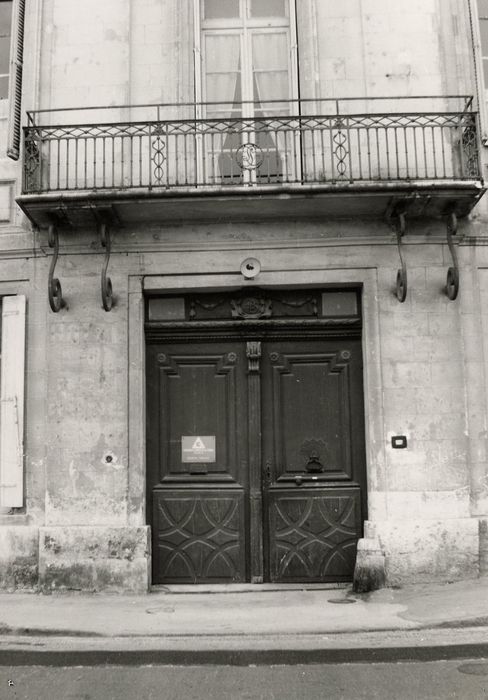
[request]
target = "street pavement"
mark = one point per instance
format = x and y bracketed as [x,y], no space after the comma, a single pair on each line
[441,680]
[246,625]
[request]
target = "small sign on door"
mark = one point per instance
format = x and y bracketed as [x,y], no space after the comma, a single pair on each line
[198,448]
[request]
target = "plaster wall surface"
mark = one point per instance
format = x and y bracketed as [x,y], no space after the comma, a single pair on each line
[142,51]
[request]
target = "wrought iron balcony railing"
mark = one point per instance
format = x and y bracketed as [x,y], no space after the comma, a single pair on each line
[323,143]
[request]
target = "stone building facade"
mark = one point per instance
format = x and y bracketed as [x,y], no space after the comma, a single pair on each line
[225,247]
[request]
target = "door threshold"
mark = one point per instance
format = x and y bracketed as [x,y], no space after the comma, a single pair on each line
[246,587]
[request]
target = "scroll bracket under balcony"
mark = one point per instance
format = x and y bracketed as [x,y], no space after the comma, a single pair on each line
[452,284]
[106,282]
[401,279]
[56,301]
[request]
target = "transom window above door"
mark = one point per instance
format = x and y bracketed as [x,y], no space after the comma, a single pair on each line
[234,9]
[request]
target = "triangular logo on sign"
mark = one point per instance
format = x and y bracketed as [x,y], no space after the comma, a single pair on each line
[198,444]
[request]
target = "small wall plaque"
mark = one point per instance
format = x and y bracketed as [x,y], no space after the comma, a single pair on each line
[197,448]
[399,442]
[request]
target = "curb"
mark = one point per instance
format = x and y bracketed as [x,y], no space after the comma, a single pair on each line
[241,657]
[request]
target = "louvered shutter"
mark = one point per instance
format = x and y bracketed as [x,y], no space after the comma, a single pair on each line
[15,83]
[12,402]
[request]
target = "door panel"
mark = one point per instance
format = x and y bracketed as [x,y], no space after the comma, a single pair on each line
[310,408]
[313,534]
[200,394]
[199,536]
[313,410]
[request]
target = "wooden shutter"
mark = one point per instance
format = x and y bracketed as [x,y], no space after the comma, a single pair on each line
[15,82]
[12,402]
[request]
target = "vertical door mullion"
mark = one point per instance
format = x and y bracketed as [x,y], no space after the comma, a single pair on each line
[253,353]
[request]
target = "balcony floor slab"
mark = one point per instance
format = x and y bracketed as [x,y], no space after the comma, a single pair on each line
[134,207]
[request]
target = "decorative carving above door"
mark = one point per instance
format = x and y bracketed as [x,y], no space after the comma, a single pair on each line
[260,304]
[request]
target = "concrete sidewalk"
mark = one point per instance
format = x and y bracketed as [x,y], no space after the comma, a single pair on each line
[258,624]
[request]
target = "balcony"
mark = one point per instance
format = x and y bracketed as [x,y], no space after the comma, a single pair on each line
[310,158]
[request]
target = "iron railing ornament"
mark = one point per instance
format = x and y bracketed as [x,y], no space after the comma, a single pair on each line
[158,154]
[55,294]
[452,283]
[32,160]
[249,156]
[341,151]
[106,282]
[401,278]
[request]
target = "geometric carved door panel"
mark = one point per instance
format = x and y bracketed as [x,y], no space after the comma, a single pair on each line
[199,536]
[256,460]
[313,535]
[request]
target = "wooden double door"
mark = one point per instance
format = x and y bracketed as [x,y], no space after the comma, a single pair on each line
[256,467]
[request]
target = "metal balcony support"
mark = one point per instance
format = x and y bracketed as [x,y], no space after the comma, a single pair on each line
[56,301]
[401,279]
[106,282]
[452,284]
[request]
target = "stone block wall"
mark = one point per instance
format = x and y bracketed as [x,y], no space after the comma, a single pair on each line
[94,559]
[19,554]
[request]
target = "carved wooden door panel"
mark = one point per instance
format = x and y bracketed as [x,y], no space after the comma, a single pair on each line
[197,461]
[313,456]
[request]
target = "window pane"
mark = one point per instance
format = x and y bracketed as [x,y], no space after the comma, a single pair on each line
[485,71]
[483,8]
[270,67]
[484,37]
[3,87]
[5,18]
[270,51]
[268,8]
[222,67]
[4,54]
[222,53]
[215,9]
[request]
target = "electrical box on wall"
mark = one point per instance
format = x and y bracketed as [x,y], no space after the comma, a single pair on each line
[399,442]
